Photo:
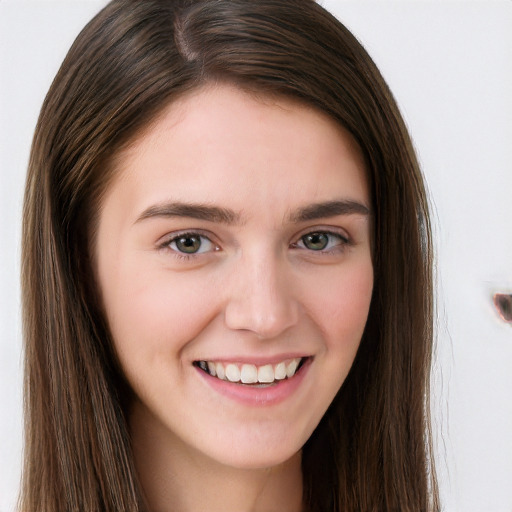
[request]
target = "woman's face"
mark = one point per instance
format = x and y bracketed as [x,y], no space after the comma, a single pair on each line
[234,245]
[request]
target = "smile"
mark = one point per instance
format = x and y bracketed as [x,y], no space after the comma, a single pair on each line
[267,374]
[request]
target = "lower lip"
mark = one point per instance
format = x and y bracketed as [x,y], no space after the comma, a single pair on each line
[254,396]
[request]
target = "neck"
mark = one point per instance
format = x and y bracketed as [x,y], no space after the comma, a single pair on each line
[176,478]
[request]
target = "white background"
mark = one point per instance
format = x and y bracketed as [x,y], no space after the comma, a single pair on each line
[449,64]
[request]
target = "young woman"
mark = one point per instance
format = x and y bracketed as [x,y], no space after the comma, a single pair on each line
[226,270]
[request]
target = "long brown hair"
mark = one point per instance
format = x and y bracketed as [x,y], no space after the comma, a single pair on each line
[372,450]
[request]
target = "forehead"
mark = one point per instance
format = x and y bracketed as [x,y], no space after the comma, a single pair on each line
[219,144]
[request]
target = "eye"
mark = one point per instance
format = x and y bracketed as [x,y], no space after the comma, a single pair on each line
[321,241]
[191,243]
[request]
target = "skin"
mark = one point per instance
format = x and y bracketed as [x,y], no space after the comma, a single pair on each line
[253,291]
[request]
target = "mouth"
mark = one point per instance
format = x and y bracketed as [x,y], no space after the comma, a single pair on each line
[251,374]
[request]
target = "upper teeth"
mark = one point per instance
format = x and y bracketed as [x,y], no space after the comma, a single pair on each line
[250,373]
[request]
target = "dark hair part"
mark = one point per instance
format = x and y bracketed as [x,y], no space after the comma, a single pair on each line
[373,450]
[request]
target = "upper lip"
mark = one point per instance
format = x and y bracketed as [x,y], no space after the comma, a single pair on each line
[255,360]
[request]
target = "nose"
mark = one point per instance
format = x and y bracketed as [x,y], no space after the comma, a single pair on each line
[261,298]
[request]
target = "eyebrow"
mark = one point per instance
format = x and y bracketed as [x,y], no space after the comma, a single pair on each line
[230,217]
[329,209]
[191,210]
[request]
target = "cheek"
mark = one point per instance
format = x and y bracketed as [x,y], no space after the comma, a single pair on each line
[153,316]
[342,304]
[339,310]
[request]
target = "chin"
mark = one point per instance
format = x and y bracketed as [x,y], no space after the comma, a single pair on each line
[262,462]
[258,451]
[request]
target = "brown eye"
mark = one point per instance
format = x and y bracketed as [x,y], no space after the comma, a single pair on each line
[191,243]
[322,241]
[188,244]
[315,241]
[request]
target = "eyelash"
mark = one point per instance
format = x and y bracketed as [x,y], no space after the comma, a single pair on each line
[343,242]
[166,245]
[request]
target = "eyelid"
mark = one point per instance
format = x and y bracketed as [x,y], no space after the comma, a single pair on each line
[341,234]
[329,230]
[165,241]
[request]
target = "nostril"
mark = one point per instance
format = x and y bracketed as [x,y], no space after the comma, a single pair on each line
[503,303]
